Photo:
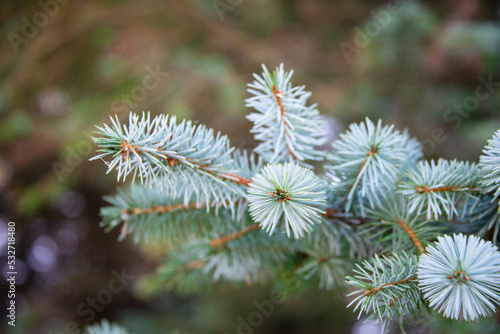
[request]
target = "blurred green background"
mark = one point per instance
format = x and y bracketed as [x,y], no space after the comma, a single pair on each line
[66,65]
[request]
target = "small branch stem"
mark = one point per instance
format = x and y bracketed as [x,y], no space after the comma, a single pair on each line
[239,179]
[192,265]
[369,292]
[373,150]
[169,208]
[126,147]
[235,235]
[426,189]
[278,97]
[344,217]
[161,209]
[412,235]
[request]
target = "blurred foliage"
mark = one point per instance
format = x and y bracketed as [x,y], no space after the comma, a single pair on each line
[92,59]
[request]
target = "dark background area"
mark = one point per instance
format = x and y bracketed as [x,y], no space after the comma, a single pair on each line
[65,66]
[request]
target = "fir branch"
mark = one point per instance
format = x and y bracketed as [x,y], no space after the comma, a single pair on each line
[328,271]
[152,215]
[325,262]
[251,257]
[160,150]
[387,288]
[183,269]
[286,190]
[157,213]
[244,257]
[287,129]
[368,160]
[460,277]
[437,187]
[394,228]
[378,199]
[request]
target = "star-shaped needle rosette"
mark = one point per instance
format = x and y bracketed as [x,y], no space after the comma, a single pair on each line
[460,276]
[290,191]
